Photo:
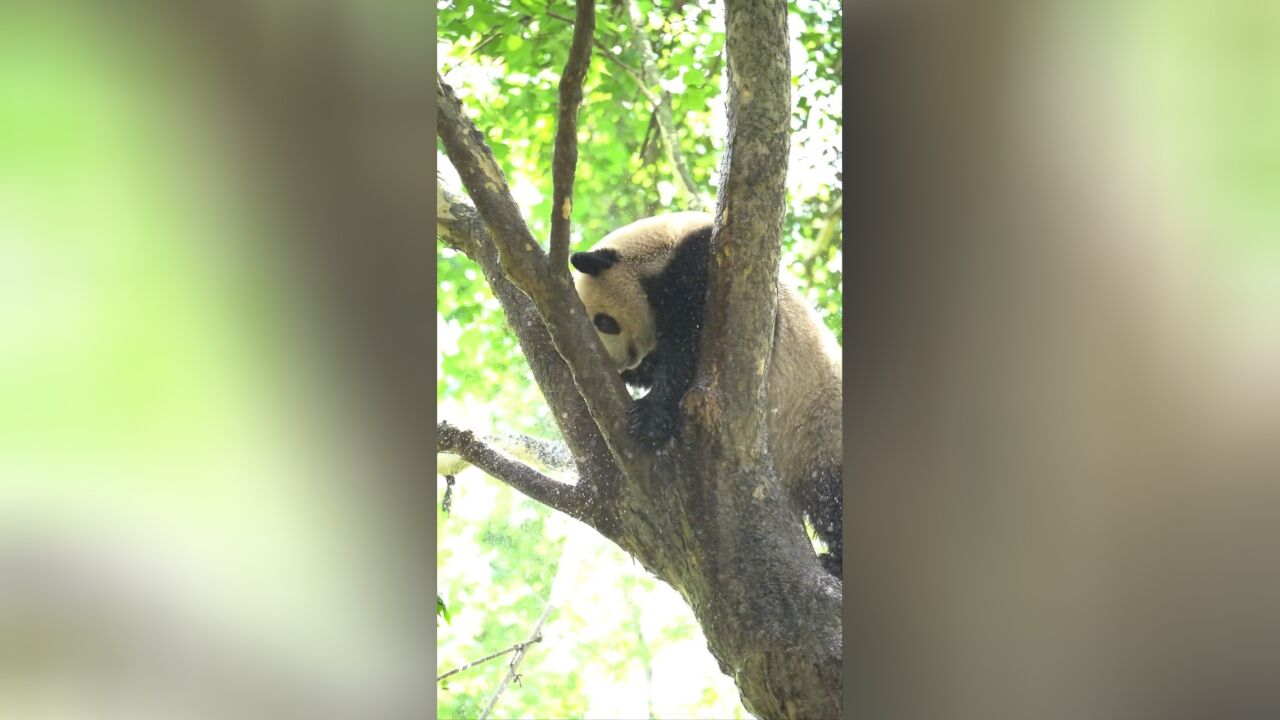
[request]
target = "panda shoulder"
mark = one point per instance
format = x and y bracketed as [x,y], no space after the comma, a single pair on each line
[649,244]
[807,327]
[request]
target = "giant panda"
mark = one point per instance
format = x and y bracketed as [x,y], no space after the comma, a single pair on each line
[644,287]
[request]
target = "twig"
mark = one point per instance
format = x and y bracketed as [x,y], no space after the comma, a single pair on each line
[829,227]
[520,646]
[648,134]
[494,35]
[608,55]
[565,159]
[666,122]
[515,662]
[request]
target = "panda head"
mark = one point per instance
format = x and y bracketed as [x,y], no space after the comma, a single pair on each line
[612,279]
[616,304]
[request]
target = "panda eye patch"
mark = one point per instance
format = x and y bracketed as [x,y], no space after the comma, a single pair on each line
[606,324]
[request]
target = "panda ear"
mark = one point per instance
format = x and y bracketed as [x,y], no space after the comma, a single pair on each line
[593,262]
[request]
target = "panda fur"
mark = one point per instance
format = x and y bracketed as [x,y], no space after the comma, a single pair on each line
[644,287]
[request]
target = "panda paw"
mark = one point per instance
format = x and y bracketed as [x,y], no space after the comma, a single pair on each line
[652,423]
[832,564]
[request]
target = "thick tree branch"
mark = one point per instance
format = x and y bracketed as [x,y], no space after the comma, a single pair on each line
[743,297]
[573,500]
[459,225]
[523,260]
[488,38]
[521,256]
[565,160]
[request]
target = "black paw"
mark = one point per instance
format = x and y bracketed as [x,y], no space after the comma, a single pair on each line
[652,423]
[832,564]
[641,376]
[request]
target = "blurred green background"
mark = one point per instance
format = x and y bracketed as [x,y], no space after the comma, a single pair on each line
[197,506]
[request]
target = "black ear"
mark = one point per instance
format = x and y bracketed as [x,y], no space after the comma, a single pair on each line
[594,262]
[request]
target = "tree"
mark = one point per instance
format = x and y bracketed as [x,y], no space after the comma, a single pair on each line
[707,515]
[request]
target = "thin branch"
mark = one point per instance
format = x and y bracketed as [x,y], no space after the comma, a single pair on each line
[660,104]
[608,55]
[515,662]
[550,454]
[648,134]
[520,646]
[565,159]
[573,500]
[829,227]
[493,35]
[546,454]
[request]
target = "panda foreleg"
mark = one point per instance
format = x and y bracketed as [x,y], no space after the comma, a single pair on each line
[655,418]
[677,296]
[641,376]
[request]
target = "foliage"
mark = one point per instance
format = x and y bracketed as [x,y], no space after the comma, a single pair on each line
[497,564]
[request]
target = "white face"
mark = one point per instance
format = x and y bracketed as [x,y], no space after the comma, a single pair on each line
[619,346]
[608,281]
[620,313]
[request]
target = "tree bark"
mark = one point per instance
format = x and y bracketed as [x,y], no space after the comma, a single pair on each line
[707,515]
